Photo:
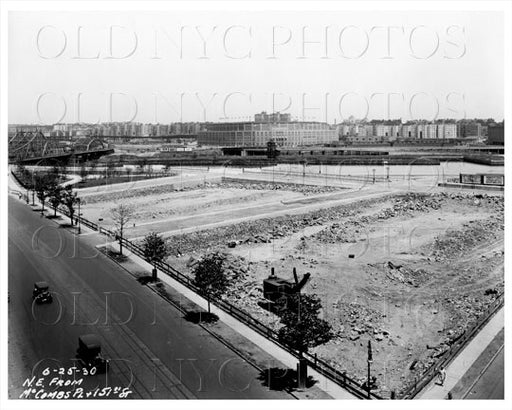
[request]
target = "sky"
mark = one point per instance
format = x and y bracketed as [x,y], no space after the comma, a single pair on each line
[226,66]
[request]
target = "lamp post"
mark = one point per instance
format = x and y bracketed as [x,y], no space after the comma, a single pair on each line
[370,361]
[79,226]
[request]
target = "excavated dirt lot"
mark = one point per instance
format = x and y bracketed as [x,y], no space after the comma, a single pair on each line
[407,271]
[424,267]
[166,202]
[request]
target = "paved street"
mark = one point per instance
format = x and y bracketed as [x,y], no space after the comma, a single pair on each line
[490,385]
[150,344]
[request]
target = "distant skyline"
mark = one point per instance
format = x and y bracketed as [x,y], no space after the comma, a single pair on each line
[357,120]
[318,66]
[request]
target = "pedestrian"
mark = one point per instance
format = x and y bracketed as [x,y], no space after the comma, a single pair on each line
[442,376]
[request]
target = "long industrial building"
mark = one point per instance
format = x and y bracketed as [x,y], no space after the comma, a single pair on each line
[277,127]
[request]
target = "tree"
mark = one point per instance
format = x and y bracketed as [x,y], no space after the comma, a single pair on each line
[302,328]
[210,278]
[43,185]
[155,247]
[69,199]
[121,215]
[55,196]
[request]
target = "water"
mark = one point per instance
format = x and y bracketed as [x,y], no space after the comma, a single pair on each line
[446,169]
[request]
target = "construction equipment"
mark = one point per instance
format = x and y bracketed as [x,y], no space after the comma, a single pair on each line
[275,287]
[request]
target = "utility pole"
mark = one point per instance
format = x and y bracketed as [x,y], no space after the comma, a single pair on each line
[273,169]
[370,361]
[79,227]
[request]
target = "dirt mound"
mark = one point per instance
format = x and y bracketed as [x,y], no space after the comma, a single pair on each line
[458,242]
[267,186]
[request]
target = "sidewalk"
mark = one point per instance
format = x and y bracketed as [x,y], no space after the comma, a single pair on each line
[275,352]
[458,367]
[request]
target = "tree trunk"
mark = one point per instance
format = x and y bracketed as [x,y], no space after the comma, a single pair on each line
[208,299]
[121,241]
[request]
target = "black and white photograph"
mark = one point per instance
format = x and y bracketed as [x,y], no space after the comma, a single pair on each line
[249,201]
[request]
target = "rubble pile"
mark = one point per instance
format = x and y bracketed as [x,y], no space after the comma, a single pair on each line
[344,232]
[467,308]
[349,230]
[241,286]
[262,230]
[467,198]
[359,321]
[404,274]
[267,186]
[128,193]
[235,267]
[455,243]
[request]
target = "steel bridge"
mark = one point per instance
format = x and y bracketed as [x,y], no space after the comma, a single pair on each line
[36,148]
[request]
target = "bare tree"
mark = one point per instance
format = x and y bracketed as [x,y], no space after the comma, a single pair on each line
[121,215]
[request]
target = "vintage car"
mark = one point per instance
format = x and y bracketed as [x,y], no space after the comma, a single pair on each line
[89,353]
[41,293]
